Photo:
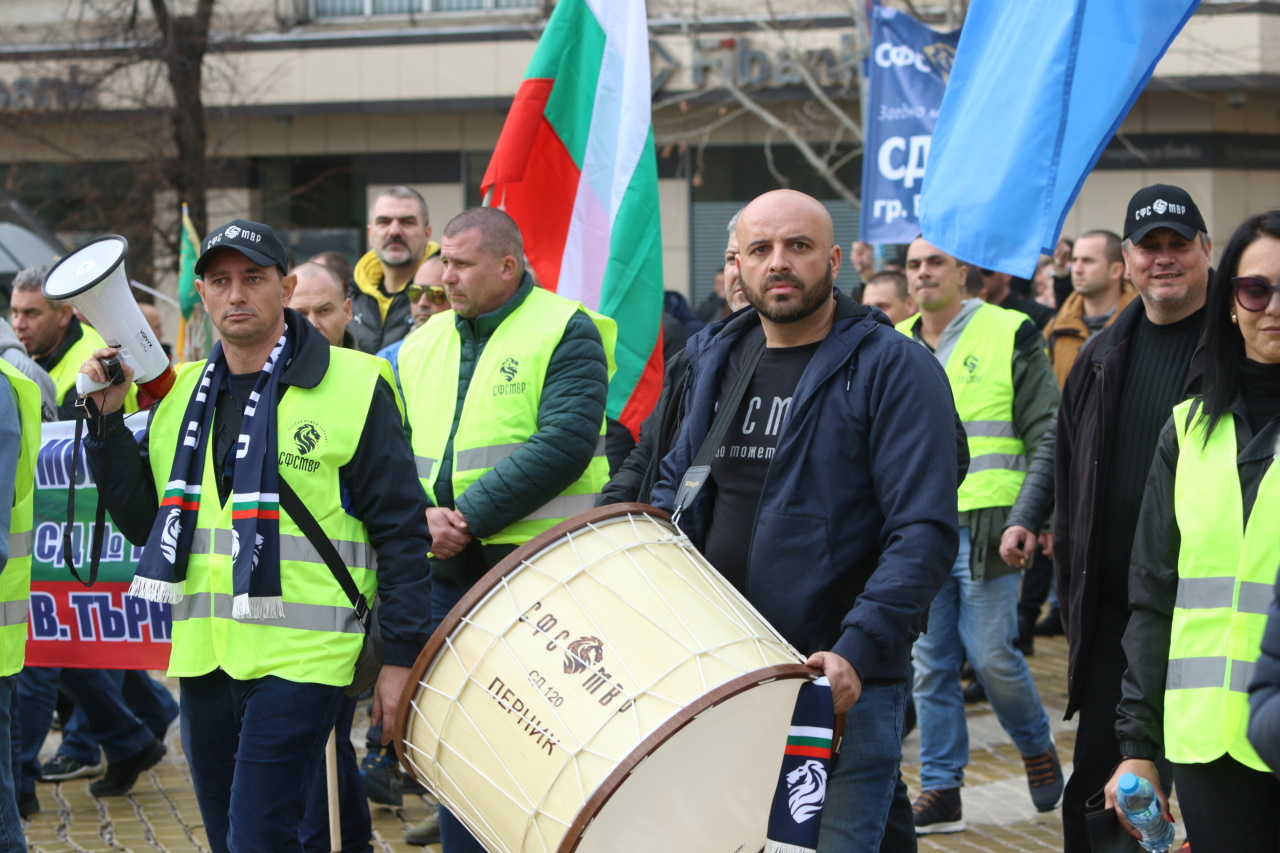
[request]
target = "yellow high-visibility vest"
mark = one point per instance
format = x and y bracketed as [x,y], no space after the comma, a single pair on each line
[319,638]
[15,577]
[980,369]
[1226,578]
[501,407]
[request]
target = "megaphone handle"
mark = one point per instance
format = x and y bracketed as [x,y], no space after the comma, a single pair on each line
[115,376]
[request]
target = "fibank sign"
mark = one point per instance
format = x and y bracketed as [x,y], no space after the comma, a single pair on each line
[47,94]
[741,62]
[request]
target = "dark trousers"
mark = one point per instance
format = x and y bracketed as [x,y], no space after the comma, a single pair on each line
[353,806]
[254,747]
[1228,807]
[1097,751]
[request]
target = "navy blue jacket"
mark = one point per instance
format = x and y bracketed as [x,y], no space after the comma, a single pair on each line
[857,525]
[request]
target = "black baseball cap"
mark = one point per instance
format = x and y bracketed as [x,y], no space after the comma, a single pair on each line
[1162,206]
[255,241]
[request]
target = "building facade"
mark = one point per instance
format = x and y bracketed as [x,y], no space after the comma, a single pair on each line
[312,106]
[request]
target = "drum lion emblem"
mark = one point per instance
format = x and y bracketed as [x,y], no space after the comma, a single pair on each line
[583,652]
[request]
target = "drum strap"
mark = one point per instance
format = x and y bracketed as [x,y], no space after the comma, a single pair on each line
[700,471]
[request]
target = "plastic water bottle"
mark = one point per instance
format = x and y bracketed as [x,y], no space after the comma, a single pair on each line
[1137,800]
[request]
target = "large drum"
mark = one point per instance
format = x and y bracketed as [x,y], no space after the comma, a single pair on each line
[604,689]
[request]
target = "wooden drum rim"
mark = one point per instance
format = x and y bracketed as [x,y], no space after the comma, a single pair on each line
[486,584]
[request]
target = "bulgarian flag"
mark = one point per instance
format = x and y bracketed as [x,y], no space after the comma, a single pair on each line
[575,167]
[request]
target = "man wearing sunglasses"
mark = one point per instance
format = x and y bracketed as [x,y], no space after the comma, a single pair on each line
[1117,396]
[427,298]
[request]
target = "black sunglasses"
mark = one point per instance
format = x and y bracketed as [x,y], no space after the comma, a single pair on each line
[434,291]
[1253,292]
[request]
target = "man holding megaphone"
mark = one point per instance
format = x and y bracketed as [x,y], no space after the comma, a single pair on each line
[259,467]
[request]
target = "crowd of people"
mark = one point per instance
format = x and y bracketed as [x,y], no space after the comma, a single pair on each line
[909,471]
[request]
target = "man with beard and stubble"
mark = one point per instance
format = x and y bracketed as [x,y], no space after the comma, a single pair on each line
[399,240]
[1118,395]
[832,505]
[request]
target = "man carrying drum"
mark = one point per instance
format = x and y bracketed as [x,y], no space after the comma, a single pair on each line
[833,499]
[505,398]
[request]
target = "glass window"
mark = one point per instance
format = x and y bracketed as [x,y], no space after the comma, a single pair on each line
[363,8]
[339,8]
[396,7]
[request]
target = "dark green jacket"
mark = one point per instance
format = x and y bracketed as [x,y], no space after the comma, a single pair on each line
[569,416]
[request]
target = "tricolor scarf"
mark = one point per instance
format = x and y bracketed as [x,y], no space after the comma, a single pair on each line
[796,813]
[255,496]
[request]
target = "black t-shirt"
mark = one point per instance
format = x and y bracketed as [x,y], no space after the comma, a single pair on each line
[1154,381]
[739,467]
[228,417]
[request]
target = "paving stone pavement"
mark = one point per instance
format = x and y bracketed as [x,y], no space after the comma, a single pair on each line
[161,814]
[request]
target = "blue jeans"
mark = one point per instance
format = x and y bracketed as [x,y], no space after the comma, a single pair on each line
[454,836]
[254,749]
[867,809]
[108,721]
[353,806]
[11,838]
[978,619]
[146,698]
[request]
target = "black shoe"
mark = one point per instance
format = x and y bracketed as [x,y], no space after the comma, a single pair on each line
[938,811]
[60,768]
[1050,625]
[121,775]
[909,719]
[1044,777]
[975,692]
[28,805]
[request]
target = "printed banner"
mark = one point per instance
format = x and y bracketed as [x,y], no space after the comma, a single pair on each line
[70,624]
[907,73]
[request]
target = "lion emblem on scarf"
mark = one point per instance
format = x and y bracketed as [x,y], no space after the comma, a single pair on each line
[169,535]
[583,652]
[806,789]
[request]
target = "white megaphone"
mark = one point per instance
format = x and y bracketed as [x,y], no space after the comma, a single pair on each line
[93,280]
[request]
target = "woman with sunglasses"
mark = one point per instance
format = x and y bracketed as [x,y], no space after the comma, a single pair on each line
[1203,565]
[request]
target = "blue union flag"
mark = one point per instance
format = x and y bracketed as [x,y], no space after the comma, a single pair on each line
[1038,89]
[907,74]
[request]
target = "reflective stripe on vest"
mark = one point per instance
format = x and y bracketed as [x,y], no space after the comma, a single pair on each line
[500,412]
[15,573]
[319,638]
[980,370]
[20,544]
[13,613]
[1226,572]
[355,555]
[307,617]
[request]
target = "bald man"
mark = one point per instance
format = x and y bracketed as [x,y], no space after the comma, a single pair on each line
[321,297]
[834,505]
